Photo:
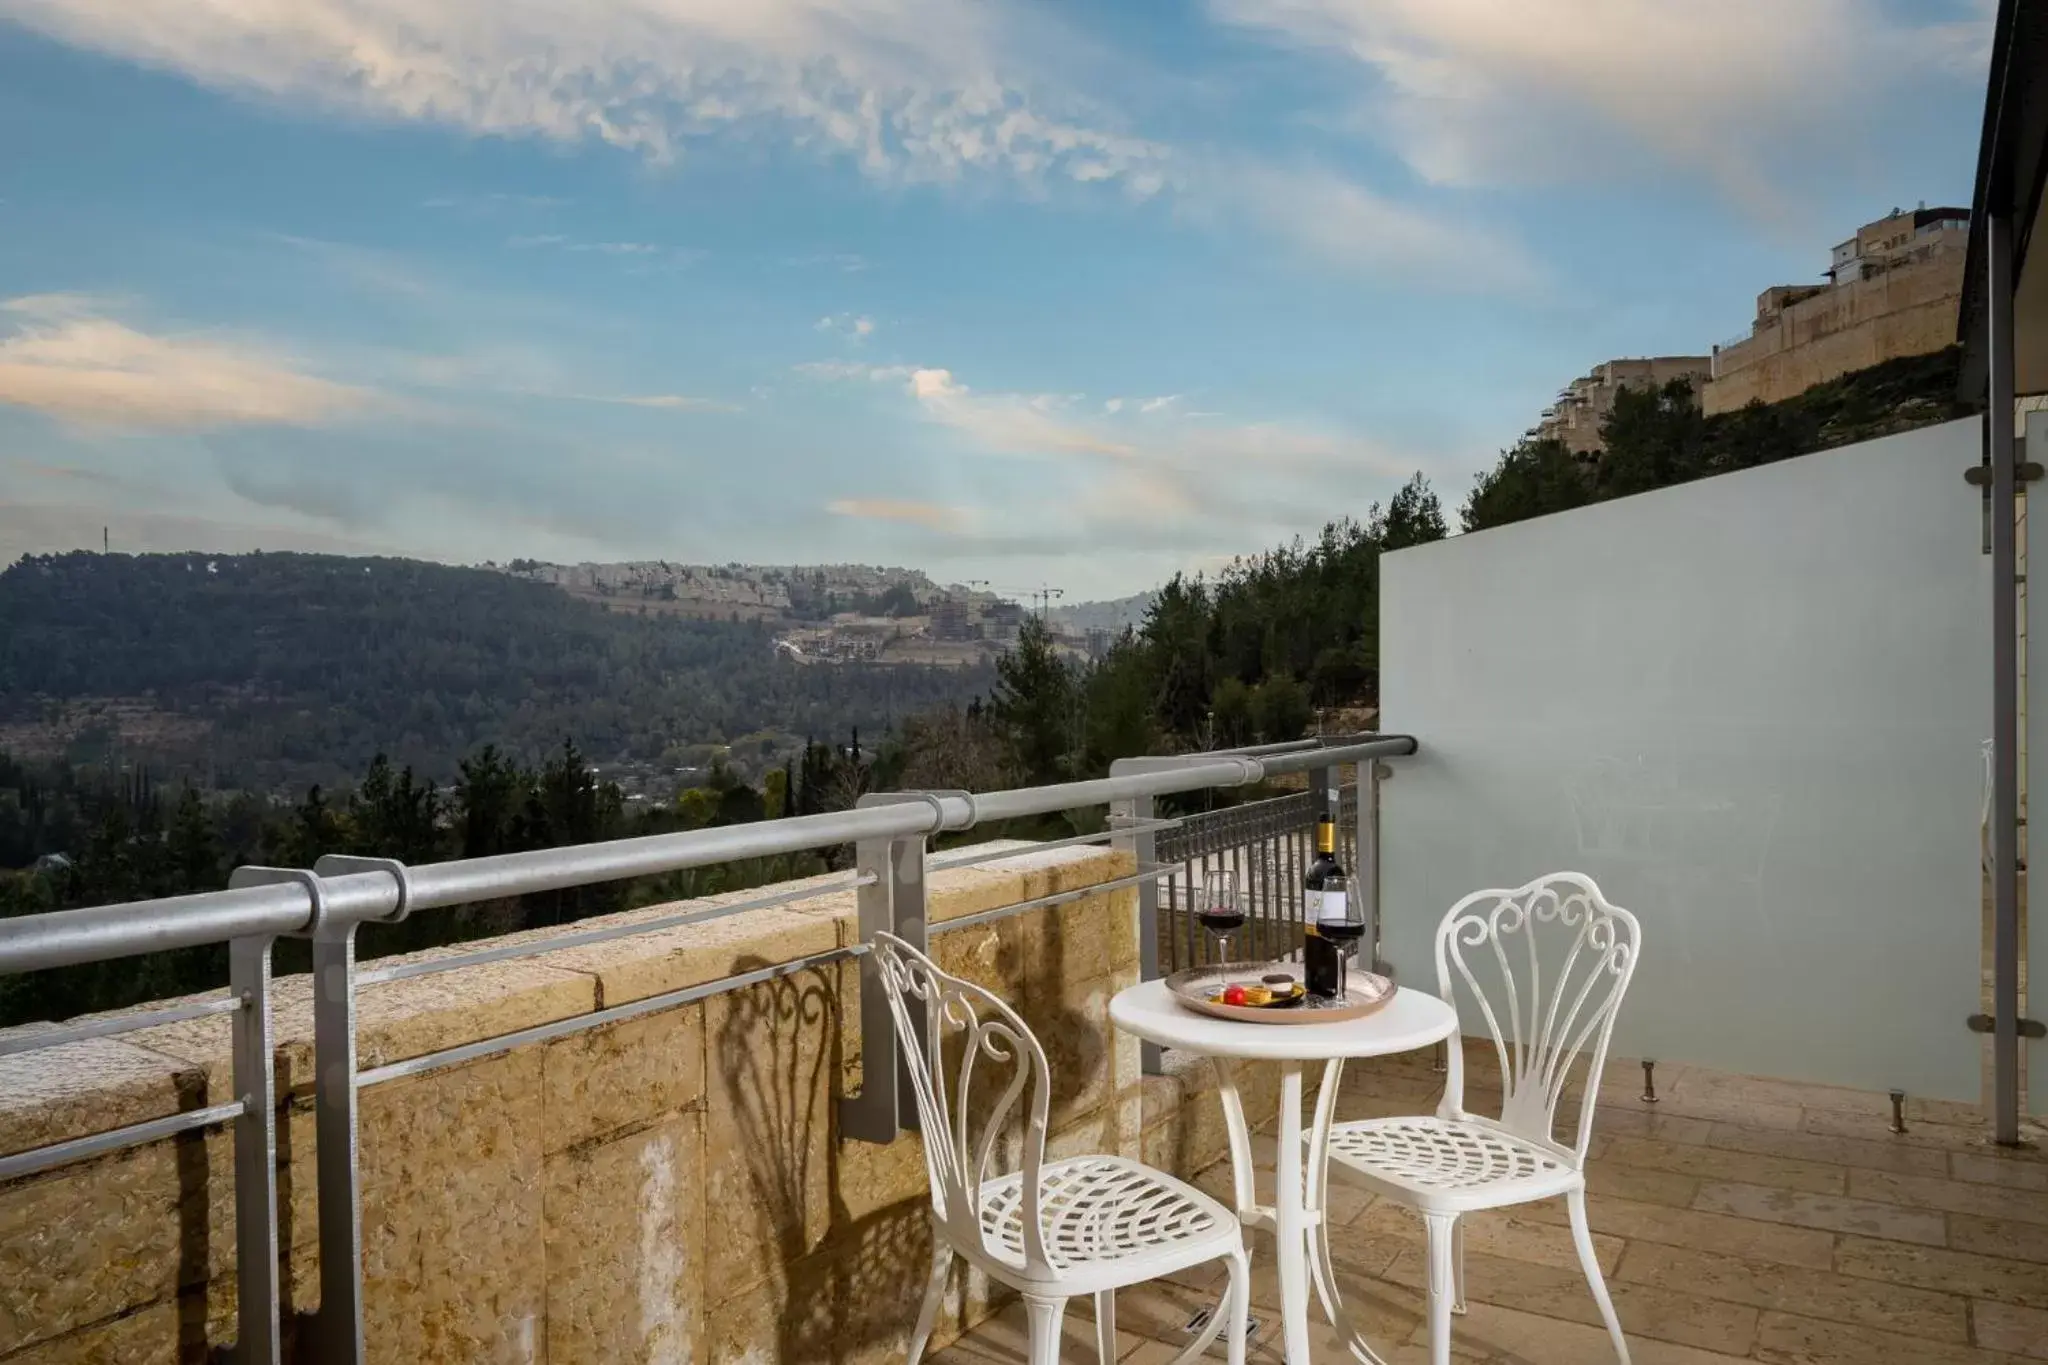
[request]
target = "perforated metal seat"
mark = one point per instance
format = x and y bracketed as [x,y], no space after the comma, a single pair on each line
[1458,1164]
[1103,1208]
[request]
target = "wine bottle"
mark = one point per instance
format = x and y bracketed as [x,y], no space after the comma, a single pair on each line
[1321,959]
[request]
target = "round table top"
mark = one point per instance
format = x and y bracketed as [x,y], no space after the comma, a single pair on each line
[1412,1019]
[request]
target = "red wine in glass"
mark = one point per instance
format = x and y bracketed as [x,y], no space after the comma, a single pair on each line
[1340,918]
[1219,910]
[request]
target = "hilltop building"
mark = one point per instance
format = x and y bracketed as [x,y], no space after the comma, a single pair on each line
[1893,290]
[1584,403]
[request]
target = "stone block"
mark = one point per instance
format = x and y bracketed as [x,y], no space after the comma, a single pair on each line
[2004,1327]
[852,1302]
[1957,1272]
[1918,1313]
[75,1089]
[626,1247]
[1868,1218]
[666,960]
[394,1019]
[87,1241]
[622,1075]
[868,1180]
[167,1332]
[453,1268]
[1781,1244]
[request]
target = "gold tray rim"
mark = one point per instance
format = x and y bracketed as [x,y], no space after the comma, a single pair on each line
[1377,994]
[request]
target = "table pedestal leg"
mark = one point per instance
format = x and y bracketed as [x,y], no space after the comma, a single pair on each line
[1296,1216]
[1244,1187]
[1290,1225]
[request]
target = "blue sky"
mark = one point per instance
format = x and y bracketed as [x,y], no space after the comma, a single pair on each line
[1047,292]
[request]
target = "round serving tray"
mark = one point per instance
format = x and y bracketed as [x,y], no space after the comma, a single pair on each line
[1366,992]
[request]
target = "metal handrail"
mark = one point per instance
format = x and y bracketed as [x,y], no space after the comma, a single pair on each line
[63,938]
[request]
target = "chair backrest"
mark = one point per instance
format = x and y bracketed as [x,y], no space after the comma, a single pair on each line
[951,1029]
[1544,1018]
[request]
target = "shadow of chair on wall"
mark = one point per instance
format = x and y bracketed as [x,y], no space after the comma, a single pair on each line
[853,1294]
[856,1289]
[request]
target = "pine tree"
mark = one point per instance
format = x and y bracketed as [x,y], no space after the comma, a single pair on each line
[194,849]
[1033,704]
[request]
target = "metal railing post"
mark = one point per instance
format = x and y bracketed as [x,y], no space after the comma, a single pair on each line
[338,1328]
[1367,881]
[257,1339]
[1134,813]
[340,1323]
[892,899]
[1324,792]
[907,908]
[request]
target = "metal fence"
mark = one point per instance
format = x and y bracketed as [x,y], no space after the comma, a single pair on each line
[1268,845]
[329,902]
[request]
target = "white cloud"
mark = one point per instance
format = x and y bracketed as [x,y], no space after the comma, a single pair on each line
[560,242]
[851,326]
[492,202]
[849,262]
[65,357]
[1013,423]
[1116,464]
[667,402]
[1348,225]
[931,516]
[853,369]
[908,89]
[1479,91]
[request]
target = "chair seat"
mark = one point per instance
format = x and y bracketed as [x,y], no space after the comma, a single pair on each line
[1449,1164]
[1107,1214]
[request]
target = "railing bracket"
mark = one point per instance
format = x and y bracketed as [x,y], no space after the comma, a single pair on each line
[1984,1023]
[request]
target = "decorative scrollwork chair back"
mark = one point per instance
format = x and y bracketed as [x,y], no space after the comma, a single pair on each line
[965,1030]
[1540,1035]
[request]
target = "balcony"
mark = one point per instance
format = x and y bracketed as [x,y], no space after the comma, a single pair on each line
[1755,708]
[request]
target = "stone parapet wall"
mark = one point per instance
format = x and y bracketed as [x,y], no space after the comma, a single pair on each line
[670,1188]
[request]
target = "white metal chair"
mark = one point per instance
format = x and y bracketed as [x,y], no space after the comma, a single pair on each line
[1457,1162]
[1049,1229]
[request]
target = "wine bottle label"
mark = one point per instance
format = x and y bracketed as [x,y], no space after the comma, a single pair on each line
[1328,905]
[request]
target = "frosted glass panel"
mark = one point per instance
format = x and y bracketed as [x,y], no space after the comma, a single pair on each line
[1751,708]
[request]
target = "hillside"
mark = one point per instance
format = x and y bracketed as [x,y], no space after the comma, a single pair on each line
[1657,437]
[750,592]
[270,670]
[1112,615]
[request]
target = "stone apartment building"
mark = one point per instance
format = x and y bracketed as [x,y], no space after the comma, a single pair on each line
[1584,403]
[1892,291]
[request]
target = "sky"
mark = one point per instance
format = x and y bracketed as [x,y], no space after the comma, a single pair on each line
[1076,293]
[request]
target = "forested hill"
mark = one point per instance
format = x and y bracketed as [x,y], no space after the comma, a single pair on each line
[291,668]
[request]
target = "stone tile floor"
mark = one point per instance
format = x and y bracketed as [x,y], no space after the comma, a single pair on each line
[1738,1219]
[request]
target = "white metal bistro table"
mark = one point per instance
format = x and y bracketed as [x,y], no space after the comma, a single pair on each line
[1412,1019]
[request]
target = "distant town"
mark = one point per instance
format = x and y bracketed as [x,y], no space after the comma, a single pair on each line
[844,613]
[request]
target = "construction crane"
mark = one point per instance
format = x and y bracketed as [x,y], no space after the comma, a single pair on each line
[1045,595]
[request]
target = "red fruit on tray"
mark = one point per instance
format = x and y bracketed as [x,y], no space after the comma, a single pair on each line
[1233,995]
